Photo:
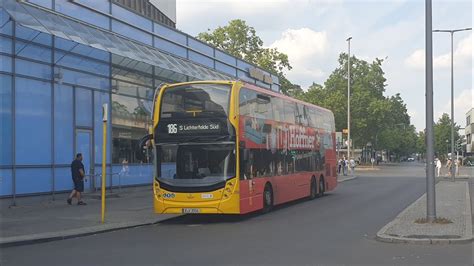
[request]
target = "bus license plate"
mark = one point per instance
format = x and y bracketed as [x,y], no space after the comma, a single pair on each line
[191,210]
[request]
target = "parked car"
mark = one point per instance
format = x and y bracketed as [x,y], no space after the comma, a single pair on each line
[411,159]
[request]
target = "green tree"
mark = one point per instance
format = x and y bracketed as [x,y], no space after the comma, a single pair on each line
[242,41]
[442,135]
[382,121]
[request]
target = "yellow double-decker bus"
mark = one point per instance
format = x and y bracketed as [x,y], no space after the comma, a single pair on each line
[232,147]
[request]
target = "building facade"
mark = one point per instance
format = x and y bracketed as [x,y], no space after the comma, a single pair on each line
[61,60]
[468,130]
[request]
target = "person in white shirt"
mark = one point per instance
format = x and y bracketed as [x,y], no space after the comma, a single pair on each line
[438,167]
[352,164]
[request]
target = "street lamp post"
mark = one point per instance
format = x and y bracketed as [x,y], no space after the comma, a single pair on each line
[349,97]
[452,94]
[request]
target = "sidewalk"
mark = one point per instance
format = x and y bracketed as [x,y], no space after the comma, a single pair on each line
[39,219]
[453,202]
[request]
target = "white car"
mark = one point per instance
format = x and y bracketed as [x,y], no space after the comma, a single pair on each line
[411,159]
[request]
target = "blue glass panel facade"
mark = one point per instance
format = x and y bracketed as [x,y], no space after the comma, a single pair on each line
[199,58]
[6,28]
[201,47]
[32,51]
[32,69]
[100,5]
[81,63]
[170,34]
[63,124]
[32,116]
[75,11]
[84,79]
[225,68]
[131,18]
[83,107]
[170,47]
[131,32]
[28,34]
[6,120]
[43,3]
[6,182]
[5,63]
[225,58]
[5,45]
[62,179]
[33,180]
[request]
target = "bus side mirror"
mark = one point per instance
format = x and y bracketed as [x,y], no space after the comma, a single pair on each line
[143,145]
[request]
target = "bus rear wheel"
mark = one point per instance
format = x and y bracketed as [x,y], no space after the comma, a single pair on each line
[313,192]
[322,188]
[267,199]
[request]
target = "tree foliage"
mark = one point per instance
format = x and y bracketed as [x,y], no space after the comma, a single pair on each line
[241,40]
[376,119]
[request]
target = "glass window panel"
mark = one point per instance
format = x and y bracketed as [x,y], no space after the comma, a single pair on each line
[32,35]
[32,69]
[6,116]
[62,178]
[132,76]
[131,18]
[81,63]
[32,51]
[243,65]
[33,180]
[99,99]
[5,45]
[130,121]
[131,32]
[63,124]
[101,5]
[81,13]
[44,3]
[6,28]
[91,52]
[170,47]
[225,68]
[83,79]
[32,122]
[170,34]
[201,47]
[5,63]
[83,107]
[64,44]
[7,181]
[244,76]
[201,59]
[225,57]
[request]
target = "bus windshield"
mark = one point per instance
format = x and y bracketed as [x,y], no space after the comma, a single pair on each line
[196,164]
[196,100]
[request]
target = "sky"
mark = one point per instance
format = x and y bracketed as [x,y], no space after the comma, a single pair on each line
[314,33]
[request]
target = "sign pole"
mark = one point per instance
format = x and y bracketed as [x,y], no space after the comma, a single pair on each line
[104,156]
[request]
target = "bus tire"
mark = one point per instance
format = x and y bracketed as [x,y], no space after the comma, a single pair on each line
[267,198]
[322,187]
[313,189]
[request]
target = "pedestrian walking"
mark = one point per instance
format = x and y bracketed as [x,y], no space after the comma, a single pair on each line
[372,160]
[438,167]
[449,166]
[339,166]
[352,164]
[78,174]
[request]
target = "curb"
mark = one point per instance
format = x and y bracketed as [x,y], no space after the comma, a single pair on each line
[87,231]
[382,237]
[346,179]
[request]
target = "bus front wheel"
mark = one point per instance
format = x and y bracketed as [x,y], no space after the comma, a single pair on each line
[267,199]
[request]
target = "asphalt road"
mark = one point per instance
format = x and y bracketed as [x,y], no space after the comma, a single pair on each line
[336,229]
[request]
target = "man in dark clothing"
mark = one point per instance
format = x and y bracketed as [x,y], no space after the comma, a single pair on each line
[77,171]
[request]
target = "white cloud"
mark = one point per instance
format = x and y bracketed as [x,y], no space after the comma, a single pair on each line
[305,49]
[462,103]
[462,56]
[302,44]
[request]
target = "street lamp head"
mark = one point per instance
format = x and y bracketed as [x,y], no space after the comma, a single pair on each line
[348,39]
